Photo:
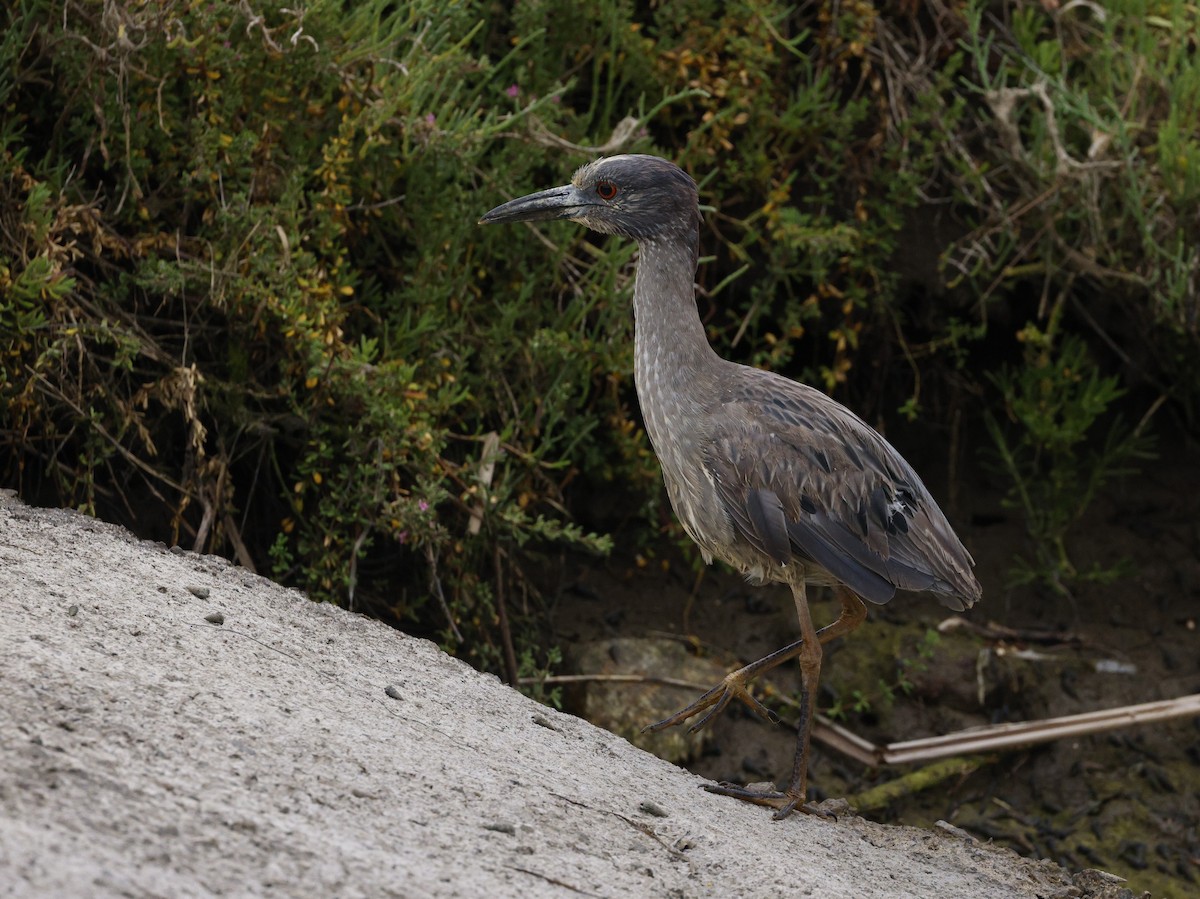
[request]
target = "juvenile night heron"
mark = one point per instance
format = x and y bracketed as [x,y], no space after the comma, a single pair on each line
[770,476]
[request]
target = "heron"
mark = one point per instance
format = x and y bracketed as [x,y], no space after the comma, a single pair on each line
[771,476]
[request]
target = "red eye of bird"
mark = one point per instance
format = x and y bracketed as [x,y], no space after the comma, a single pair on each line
[606,190]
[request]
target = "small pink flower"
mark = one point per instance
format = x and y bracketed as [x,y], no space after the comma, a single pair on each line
[513,91]
[402,537]
[430,119]
[423,506]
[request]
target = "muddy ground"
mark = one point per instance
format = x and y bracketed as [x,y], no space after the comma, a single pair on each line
[1126,801]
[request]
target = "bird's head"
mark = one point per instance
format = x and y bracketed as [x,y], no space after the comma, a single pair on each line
[640,197]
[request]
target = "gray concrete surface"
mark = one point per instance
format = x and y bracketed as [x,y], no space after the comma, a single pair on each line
[145,751]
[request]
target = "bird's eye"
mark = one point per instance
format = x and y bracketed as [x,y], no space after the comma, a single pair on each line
[606,190]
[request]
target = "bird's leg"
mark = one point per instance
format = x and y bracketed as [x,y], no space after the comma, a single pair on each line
[734,685]
[810,653]
[810,675]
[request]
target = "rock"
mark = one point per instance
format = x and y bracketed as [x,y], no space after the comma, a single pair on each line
[625,708]
[198,765]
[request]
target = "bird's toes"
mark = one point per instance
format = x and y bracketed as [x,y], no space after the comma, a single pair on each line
[795,805]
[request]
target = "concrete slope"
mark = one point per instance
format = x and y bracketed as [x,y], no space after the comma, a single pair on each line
[299,750]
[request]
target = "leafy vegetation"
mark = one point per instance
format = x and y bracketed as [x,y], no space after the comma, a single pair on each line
[1056,462]
[909,657]
[244,304]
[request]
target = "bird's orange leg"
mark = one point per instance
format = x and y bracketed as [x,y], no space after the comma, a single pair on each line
[796,794]
[854,612]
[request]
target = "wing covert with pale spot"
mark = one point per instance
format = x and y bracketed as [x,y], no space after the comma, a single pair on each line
[802,477]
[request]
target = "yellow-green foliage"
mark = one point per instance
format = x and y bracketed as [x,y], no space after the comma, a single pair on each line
[244,303]
[1091,161]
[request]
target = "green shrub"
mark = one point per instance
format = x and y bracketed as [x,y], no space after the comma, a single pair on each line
[1084,176]
[1052,453]
[245,306]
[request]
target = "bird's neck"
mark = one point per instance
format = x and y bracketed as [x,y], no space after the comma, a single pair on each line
[673,360]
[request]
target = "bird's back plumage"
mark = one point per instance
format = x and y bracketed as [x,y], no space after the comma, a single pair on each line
[806,482]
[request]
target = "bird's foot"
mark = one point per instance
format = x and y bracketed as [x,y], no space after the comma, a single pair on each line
[784,803]
[715,700]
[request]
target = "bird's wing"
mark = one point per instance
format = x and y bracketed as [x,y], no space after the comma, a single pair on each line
[801,475]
